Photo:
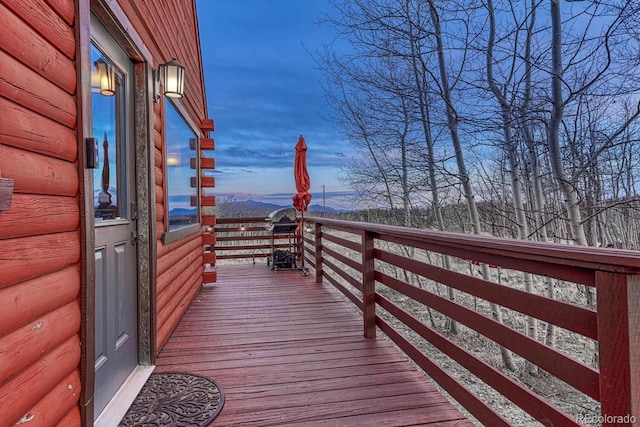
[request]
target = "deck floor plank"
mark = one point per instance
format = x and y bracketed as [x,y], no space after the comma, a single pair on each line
[288,351]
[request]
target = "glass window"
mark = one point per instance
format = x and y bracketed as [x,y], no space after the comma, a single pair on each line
[107,112]
[181,171]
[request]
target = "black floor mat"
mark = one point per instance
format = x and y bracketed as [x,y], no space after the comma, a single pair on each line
[175,399]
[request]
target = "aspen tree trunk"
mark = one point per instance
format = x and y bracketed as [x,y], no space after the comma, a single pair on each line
[452,123]
[553,136]
[404,181]
[538,195]
[512,155]
[421,87]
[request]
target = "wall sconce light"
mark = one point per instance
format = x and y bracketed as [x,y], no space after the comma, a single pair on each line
[106,77]
[308,228]
[173,74]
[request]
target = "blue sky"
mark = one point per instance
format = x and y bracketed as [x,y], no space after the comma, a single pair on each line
[263,90]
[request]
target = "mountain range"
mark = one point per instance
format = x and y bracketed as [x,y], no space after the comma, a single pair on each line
[250,208]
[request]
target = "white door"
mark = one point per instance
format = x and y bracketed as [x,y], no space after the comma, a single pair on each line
[116,341]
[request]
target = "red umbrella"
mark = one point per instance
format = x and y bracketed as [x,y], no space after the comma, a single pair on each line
[303,197]
[303,183]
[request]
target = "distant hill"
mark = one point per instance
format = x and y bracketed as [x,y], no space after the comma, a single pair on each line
[260,205]
[319,208]
[182,211]
[248,208]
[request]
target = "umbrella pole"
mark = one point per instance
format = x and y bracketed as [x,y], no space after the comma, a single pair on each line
[304,271]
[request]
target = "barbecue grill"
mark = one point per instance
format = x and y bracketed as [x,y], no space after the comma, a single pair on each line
[282,222]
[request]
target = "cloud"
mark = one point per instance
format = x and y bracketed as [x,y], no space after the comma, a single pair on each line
[272,154]
[264,90]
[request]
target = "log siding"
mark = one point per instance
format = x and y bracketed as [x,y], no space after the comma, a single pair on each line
[44,264]
[40,313]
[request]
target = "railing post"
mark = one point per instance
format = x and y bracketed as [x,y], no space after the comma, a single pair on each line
[618,302]
[318,245]
[368,285]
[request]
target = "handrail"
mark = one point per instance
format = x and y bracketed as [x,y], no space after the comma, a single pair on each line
[356,257]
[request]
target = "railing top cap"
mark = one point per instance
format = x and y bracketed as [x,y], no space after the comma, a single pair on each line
[587,257]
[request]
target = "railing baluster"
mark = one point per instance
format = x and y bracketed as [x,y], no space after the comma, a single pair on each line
[368,285]
[618,299]
[318,242]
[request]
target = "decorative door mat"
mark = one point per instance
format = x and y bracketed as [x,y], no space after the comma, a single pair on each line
[175,399]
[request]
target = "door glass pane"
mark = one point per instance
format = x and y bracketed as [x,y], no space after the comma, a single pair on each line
[107,112]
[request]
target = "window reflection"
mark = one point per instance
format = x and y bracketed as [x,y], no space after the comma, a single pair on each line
[182,192]
[107,113]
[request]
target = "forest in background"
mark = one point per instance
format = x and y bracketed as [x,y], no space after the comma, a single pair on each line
[516,119]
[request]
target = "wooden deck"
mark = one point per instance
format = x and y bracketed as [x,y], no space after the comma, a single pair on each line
[288,351]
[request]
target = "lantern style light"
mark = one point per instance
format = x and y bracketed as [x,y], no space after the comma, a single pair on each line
[173,79]
[173,74]
[106,77]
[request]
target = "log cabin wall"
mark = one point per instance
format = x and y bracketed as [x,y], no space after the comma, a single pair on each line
[41,269]
[169,30]
[40,272]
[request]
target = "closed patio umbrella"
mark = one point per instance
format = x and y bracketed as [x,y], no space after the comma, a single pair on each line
[302,198]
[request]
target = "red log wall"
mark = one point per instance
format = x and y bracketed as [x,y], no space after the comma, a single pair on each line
[40,256]
[39,236]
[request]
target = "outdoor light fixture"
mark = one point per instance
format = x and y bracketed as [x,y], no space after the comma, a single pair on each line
[173,74]
[308,228]
[106,77]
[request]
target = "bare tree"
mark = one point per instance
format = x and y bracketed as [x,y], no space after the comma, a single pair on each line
[544,92]
[508,113]
[588,74]
[465,179]
[375,112]
[422,95]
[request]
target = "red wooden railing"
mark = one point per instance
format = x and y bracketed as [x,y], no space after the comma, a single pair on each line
[359,260]
[242,239]
[615,324]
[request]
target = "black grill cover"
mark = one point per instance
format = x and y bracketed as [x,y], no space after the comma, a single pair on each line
[282,221]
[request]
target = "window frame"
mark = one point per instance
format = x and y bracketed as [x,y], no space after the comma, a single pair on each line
[169,235]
